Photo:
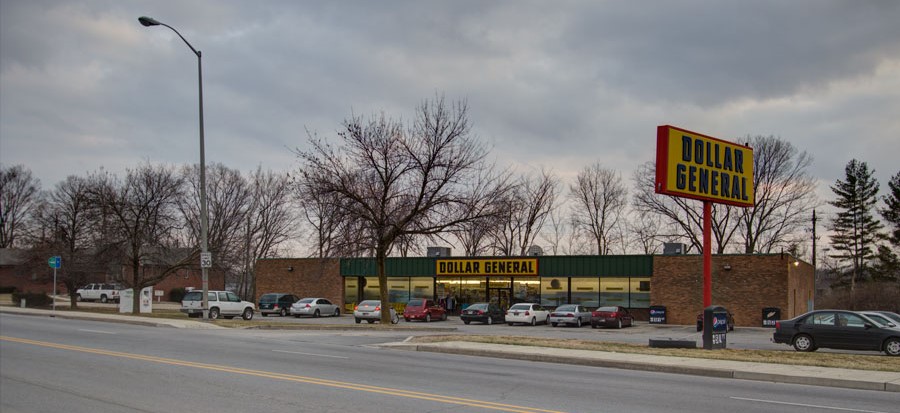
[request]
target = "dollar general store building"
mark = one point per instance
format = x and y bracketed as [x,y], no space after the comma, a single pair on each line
[745,284]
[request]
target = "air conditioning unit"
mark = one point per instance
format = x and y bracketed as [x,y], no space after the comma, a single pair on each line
[439,251]
[674,248]
[534,251]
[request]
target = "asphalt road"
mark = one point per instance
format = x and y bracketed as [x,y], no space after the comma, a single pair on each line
[54,365]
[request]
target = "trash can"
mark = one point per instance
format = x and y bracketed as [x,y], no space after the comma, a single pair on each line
[770,315]
[657,314]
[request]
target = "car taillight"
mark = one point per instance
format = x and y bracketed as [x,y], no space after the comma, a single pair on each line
[527,313]
[378,308]
[275,307]
[480,312]
[307,306]
[355,307]
[777,325]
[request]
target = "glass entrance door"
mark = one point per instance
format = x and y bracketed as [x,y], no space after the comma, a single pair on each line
[500,296]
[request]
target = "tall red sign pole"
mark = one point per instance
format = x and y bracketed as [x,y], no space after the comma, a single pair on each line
[707,254]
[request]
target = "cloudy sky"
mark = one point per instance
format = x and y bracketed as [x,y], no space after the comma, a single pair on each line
[556,84]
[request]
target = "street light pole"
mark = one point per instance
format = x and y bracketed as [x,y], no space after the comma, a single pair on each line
[205,259]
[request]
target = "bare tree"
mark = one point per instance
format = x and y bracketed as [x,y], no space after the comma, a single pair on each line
[335,234]
[524,213]
[19,193]
[598,202]
[682,218]
[785,195]
[399,181]
[143,222]
[644,232]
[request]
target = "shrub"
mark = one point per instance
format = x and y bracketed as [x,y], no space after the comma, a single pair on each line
[32,299]
[7,289]
[176,294]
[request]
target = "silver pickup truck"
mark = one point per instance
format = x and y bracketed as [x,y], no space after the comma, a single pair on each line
[221,304]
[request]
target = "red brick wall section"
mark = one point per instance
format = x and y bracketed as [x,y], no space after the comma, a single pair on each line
[752,283]
[303,277]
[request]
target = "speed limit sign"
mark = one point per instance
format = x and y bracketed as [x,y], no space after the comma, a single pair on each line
[205,260]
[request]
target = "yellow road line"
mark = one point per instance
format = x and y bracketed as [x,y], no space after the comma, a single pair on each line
[290,377]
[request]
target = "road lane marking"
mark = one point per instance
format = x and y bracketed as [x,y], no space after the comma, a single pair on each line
[310,354]
[808,405]
[97,331]
[290,377]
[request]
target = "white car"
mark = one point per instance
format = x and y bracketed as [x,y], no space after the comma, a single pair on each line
[527,313]
[370,310]
[314,307]
[221,303]
[98,292]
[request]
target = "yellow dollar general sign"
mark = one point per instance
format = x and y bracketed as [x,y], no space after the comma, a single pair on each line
[692,165]
[502,266]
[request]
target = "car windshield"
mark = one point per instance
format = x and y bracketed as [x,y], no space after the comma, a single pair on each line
[477,307]
[521,307]
[192,296]
[565,308]
[268,298]
[306,301]
[415,303]
[608,309]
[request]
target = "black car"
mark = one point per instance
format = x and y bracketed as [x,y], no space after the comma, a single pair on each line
[276,303]
[838,329]
[488,313]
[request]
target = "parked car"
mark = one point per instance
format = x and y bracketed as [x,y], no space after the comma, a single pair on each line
[424,309]
[488,313]
[98,292]
[880,318]
[730,319]
[890,315]
[527,313]
[315,307]
[570,314]
[276,303]
[221,303]
[611,316]
[370,310]
[838,329]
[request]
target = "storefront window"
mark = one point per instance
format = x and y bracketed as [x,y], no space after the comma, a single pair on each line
[421,287]
[586,291]
[526,291]
[554,291]
[370,289]
[614,291]
[351,291]
[471,290]
[640,293]
[398,290]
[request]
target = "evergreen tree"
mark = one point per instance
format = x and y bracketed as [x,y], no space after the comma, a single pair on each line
[891,214]
[855,228]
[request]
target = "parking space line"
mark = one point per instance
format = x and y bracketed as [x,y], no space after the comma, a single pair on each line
[807,405]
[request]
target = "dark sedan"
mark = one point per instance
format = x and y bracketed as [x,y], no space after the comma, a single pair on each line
[838,329]
[488,313]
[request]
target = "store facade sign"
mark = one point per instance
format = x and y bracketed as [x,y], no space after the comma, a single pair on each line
[701,167]
[506,267]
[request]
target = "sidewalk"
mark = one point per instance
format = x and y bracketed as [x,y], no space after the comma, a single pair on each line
[777,373]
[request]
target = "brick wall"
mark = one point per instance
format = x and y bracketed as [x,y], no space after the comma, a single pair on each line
[303,277]
[752,283]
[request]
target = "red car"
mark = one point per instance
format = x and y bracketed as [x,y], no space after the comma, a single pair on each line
[611,316]
[423,309]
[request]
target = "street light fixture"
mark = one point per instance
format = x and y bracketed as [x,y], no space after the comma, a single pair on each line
[205,256]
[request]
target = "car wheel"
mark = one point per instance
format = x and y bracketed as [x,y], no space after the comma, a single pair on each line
[428,318]
[804,342]
[357,321]
[593,325]
[892,346]
[578,323]
[466,322]
[533,321]
[337,312]
[489,321]
[316,314]
[213,313]
[444,317]
[78,297]
[103,298]
[283,312]
[619,324]
[264,314]
[406,319]
[510,324]
[248,314]
[554,324]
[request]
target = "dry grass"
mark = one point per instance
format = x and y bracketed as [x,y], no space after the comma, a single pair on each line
[875,361]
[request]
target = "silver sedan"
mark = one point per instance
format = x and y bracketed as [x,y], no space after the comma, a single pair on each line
[314,307]
[572,314]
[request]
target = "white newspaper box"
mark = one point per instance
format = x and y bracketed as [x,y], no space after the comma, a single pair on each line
[126,300]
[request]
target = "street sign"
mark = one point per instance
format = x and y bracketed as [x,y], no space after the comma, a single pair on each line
[55,262]
[205,260]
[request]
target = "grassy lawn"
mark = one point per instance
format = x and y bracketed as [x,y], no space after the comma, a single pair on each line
[873,361]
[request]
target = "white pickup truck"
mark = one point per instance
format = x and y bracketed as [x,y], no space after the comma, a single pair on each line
[98,292]
[221,304]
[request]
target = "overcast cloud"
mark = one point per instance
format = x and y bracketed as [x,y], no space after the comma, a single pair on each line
[558,84]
